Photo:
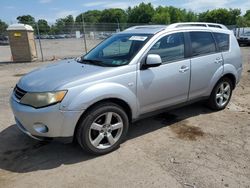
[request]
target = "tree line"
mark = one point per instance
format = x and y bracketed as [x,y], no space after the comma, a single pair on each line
[140,14]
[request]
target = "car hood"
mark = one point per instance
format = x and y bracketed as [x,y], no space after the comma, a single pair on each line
[54,76]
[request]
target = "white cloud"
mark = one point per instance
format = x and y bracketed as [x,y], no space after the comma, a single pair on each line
[203,5]
[93,4]
[64,13]
[9,7]
[54,8]
[120,4]
[243,6]
[45,1]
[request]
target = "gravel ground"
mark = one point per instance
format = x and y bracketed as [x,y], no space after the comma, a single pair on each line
[188,147]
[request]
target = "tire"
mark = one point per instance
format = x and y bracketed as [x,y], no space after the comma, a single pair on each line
[103,128]
[221,94]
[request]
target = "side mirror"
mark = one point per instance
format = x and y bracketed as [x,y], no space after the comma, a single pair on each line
[153,60]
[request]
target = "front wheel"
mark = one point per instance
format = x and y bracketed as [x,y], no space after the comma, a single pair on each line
[103,128]
[221,94]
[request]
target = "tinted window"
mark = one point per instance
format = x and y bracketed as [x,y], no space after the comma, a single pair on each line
[202,43]
[170,47]
[222,41]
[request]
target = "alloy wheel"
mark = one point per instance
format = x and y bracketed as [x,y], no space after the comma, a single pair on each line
[223,94]
[106,130]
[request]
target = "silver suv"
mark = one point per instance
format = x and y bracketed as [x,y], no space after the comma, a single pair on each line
[130,75]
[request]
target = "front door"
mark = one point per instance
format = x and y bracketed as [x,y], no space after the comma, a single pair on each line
[167,84]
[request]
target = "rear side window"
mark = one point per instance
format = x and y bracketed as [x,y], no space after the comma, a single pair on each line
[222,40]
[202,43]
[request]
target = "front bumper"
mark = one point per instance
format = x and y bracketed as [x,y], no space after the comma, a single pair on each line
[60,124]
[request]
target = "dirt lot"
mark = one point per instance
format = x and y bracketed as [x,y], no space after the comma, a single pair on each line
[188,147]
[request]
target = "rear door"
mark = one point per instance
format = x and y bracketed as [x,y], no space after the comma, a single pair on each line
[206,63]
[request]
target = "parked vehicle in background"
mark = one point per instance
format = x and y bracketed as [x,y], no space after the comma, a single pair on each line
[244,39]
[68,36]
[62,36]
[132,74]
[104,35]
[51,37]
[43,36]
[4,40]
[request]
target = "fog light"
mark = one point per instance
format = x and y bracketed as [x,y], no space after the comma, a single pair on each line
[41,128]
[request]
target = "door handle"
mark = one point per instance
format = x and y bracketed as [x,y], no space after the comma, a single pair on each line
[218,60]
[183,69]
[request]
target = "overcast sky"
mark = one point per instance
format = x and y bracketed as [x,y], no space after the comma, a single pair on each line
[53,9]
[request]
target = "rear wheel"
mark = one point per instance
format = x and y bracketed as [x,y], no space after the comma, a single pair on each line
[103,128]
[221,94]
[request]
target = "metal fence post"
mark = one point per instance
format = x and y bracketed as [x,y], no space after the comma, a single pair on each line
[84,37]
[39,39]
[118,25]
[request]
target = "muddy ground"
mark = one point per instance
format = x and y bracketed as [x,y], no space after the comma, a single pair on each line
[188,147]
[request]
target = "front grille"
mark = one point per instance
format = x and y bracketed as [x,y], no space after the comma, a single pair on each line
[19,93]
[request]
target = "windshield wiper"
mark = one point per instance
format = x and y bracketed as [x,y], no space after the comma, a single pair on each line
[91,62]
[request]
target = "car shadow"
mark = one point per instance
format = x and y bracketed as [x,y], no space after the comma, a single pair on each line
[19,153]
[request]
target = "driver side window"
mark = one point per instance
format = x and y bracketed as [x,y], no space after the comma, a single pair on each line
[169,47]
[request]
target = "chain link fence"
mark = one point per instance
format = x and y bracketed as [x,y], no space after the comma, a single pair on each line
[66,42]
[72,40]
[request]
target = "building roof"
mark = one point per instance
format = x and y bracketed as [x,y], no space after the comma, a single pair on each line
[18,27]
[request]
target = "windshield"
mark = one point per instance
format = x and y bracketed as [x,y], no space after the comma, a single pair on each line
[117,50]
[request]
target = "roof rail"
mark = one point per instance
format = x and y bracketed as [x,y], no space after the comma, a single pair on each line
[197,24]
[147,27]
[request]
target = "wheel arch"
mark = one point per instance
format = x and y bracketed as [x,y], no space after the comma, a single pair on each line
[231,77]
[123,104]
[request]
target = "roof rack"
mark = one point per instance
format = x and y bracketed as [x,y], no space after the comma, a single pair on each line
[150,29]
[147,27]
[197,24]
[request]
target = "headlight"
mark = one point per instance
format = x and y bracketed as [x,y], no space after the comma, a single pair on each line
[39,100]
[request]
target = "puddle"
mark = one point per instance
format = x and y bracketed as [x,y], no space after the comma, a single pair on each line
[180,127]
[19,75]
[187,132]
